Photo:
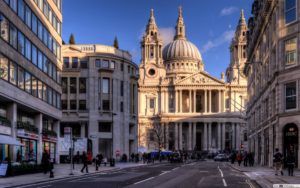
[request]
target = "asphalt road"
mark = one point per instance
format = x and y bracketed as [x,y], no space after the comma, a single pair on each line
[202,174]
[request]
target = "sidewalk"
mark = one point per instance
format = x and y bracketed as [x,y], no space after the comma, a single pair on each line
[61,171]
[265,176]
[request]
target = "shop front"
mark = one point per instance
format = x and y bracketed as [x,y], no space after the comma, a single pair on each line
[49,145]
[28,151]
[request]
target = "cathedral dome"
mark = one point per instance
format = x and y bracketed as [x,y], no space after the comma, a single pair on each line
[181,49]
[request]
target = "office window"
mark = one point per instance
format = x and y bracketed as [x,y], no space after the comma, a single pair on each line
[50,42]
[105,85]
[40,30]
[27,49]
[13,73]
[4,67]
[45,37]
[291,51]
[27,82]
[64,104]
[74,62]
[21,78]
[290,96]
[290,11]
[64,84]
[122,88]
[28,16]
[54,94]
[105,64]
[34,26]
[82,104]
[121,107]
[105,105]
[122,66]
[66,62]
[112,64]
[21,10]
[128,69]
[34,88]
[4,27]
[13,36]
[58,104]
[83,64]
[73,105]
[98,63]
[40,89]
[82,85]
[45,64]
[49,95]
[152,103]
[34,55]
[44,93]
[13,5]
[73,85]
[21,43]
[104,127]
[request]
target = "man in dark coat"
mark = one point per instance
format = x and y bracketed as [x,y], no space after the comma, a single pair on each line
[45,161]
[290,161]
[85,163]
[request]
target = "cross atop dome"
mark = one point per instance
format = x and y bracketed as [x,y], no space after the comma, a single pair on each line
[180,27]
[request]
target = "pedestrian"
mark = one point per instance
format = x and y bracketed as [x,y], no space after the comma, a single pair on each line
[290,161]
[233,157]
[251,159]
[45,161]
[98,161]
[132,157]
[77,157]
[245,159]
[278,162]
[105,161]
[85,162]
[239,158]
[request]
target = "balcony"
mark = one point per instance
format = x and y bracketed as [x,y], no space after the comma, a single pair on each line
[27,127]
[4,122]
[49,133]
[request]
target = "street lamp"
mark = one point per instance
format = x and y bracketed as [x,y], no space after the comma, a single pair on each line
[112,132]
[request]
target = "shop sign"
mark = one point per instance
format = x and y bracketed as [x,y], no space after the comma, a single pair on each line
[22,133]
[3,169]
[5,130]
[49,139]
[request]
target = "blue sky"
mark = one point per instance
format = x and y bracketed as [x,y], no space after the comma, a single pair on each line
[210,24]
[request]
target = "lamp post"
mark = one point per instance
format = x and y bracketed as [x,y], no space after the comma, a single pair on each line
[112,144]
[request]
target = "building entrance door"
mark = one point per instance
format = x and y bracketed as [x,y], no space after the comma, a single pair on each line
[290,140]
[198,141]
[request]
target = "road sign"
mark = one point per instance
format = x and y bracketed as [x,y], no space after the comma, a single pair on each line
[67,134]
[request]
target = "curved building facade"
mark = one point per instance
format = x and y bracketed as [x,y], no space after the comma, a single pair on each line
[99,100]
[181,106]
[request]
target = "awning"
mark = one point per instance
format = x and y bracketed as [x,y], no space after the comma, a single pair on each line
[4,139]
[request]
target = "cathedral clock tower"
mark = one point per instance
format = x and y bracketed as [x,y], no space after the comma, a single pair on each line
[151,68]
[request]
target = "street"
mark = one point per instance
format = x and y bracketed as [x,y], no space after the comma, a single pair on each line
[196,174]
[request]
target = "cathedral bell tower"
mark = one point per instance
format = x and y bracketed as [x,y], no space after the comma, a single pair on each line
[151,68]
[238,54]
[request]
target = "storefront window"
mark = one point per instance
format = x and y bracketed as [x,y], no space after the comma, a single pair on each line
[28,150]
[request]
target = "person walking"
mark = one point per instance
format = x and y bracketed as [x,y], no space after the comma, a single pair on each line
[290,161]
[45,161]
[245,159]
[77,157]
[278,162]
[85,162]
[239,158]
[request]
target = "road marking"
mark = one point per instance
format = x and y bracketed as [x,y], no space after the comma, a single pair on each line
[249,183]
[220,172]
[222,176]
[44,186]
[224,182]
[143,180]
[164,173]
[175,168]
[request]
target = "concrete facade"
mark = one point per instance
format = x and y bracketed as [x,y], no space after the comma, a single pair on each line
[30,79]
[273,80]
[181,106]
[100,99]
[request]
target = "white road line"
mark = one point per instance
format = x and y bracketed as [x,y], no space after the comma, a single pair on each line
[220,172]
[249,183]
[164,173]
[175,168]
[44,186]
[143,180]
[224,182]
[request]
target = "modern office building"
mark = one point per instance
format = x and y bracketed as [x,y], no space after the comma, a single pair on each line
[30,67]
[99,100]
[273,113]
[183,107]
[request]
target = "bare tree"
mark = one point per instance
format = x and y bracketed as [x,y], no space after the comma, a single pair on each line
[158,130]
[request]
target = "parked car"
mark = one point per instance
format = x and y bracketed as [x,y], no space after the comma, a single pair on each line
[221,157]
[175,158]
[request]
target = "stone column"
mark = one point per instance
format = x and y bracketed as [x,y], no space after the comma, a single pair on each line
[190,136]
[238,136]
[209,135]
[194,134]
[161,103]
[209,101]
[38,121]
[223,125]
[233,136]
[176,136]
[190,101]
[219,136]
[180,101]
[205,101]
[205,136]
[56,129]
[220,101]
[167,101]
[167,136]
[176,101]
[223,101]
[180,135]
[195,102]
[12,111]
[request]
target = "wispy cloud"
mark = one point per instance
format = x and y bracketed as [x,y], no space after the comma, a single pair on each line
[223,38]
[228,10]
[167,34]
